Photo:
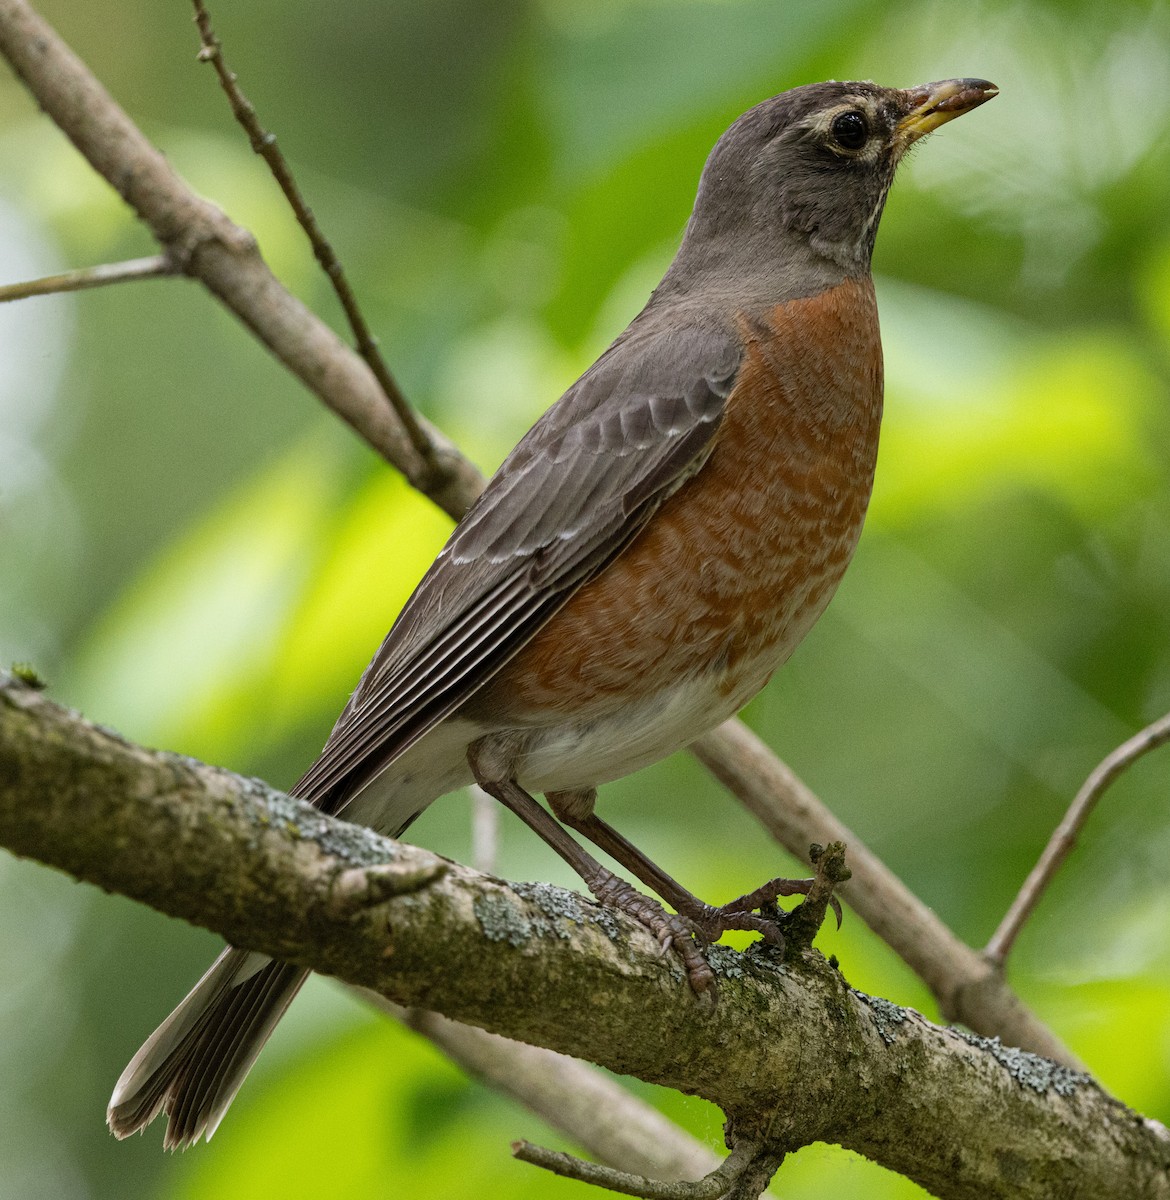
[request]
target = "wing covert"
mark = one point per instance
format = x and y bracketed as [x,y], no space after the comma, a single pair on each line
[568,499]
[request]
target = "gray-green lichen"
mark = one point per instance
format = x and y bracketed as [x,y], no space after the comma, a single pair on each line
[886,1016]
[503,921]
[551,913]
[725,962]
[1029,1070]
[356,845]
[557,905]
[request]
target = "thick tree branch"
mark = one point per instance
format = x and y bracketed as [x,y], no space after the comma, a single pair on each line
[791,1054]
[224,257]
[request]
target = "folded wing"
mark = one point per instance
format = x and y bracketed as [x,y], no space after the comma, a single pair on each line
[571,496]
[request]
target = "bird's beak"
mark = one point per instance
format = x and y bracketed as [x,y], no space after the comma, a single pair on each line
[933,104]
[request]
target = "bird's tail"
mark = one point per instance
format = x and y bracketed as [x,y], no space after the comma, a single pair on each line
[194,1063]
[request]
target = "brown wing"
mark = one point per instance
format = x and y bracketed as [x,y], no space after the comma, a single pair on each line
[567,500]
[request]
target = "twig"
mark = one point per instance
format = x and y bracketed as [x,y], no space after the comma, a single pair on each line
[805,921]
[713,1185]
[967,988]
[154,267]
[206,245]
[264,144]
[1064,837]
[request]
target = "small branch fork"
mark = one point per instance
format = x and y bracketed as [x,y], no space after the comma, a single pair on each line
[264,144]
[158,266]
[209,247]
[741,1167]
[1064,837]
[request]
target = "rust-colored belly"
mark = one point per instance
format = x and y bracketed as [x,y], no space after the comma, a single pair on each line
[738,564]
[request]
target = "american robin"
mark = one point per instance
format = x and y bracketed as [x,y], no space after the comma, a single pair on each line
[645,558]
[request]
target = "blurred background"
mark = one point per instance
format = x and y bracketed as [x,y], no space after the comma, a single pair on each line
[193,551]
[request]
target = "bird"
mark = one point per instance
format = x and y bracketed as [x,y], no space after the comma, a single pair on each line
[651,551]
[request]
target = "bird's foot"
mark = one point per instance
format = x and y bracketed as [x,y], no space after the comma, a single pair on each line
[697,924]
[670,930]
[755,911]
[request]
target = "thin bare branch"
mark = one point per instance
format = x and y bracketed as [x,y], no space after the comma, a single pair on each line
[713,1185]
[591,1108]
[209,247]
[264,144]
[967,988]
[1064,837]
[154,267]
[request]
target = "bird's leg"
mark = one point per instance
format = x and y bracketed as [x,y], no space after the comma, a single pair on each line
[493,772]
[575,809]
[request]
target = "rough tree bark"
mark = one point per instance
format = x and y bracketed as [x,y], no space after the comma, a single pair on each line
[790,1053]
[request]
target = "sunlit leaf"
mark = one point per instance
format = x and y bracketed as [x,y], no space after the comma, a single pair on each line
[173,660]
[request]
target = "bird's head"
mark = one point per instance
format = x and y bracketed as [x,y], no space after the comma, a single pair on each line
[805,175]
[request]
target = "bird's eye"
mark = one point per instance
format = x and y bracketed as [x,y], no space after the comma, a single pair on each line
[850,130]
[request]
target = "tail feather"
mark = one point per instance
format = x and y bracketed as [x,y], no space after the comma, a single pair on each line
[192,1066]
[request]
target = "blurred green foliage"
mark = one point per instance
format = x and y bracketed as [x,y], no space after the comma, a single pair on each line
[194,552]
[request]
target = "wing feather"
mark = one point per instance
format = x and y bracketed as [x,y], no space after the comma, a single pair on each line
[572,495]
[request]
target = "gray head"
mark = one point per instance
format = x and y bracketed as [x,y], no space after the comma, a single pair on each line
[795,188]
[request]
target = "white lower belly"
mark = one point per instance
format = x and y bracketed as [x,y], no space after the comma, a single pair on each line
[435,765]
[567,756]
[577,755]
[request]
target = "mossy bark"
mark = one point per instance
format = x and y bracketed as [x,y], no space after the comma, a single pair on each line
[790,1050]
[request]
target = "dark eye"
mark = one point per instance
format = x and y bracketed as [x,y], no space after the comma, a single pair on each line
[850,129]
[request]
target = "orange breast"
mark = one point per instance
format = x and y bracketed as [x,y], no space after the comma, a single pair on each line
[736,566]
